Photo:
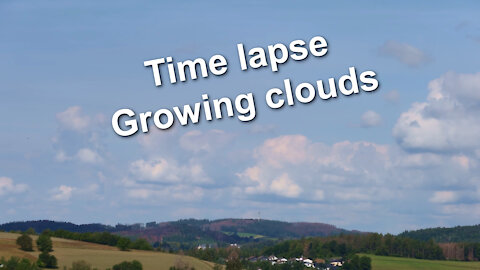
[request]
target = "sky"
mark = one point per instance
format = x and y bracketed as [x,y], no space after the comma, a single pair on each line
[402,157]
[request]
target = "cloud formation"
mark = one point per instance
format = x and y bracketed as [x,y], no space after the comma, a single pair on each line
[443,197]
[447,121]
[62,193]
[404,53]
[371,119]
[73,119]
[7,186]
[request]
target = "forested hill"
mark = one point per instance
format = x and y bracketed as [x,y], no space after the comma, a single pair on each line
[468,234]
[41,225]
[192,229]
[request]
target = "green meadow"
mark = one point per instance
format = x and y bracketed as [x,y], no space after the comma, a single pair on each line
[396,263]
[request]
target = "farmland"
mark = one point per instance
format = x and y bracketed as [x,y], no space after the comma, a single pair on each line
[99,256]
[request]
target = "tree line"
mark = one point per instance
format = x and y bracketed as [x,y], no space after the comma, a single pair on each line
[458,234]
[103,238]
[372,243]
[341,246]
[15,263]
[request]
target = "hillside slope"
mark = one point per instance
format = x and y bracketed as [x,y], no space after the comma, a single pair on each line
[99,256]
[190,232]
[396,263]
[456,234]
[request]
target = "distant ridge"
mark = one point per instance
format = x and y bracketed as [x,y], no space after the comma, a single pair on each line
[41,225]
[187,230]
[458,234]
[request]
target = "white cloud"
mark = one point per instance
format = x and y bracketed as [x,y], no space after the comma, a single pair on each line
[62,193]
[316,166]
[443,197]
[371,119]
[79,136]
[183,193]
[73,119]
[282,185]
[7,186]
[168,171]
[463,161]
[158,169]
[447,121]
[284,149]
[87,155]
[405,53]
[61,156]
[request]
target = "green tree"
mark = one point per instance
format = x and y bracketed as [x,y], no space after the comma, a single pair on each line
[30,231]
[141,244]
[81,265]
[45,260]
[15,263]
[233,260]
[44,243]
[25,242]
[133,265]
[123,244]
[365,263]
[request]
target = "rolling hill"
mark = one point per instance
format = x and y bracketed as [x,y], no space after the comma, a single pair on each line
[190,232]
[99,256]
[467,234]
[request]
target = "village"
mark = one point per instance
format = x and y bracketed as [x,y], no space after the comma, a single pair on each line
[321,264]
[317,263]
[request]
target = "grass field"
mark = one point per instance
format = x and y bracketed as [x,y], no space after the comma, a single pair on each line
[242,234]
[395,263]
[99,256]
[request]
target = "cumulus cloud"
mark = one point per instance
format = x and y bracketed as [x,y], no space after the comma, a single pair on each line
[163,170]
[7,186]
[315,166]
[62,193]
[79,136]
[405,53]
[365,176]
[73,119]
[447,121]
[371,119]
[88,156]
[284,186]
[85,155]
[182,193]
[443,197]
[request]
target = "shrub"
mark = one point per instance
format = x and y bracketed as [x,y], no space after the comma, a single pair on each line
[81,265]
[15,263]
[25,242]
[44,243]
[123,244]
[46,260]
[141,244]
[133,265]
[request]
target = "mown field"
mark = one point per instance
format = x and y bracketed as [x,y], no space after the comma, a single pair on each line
[395,263]
[99,256]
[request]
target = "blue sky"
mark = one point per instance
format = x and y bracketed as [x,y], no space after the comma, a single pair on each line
[403,157]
